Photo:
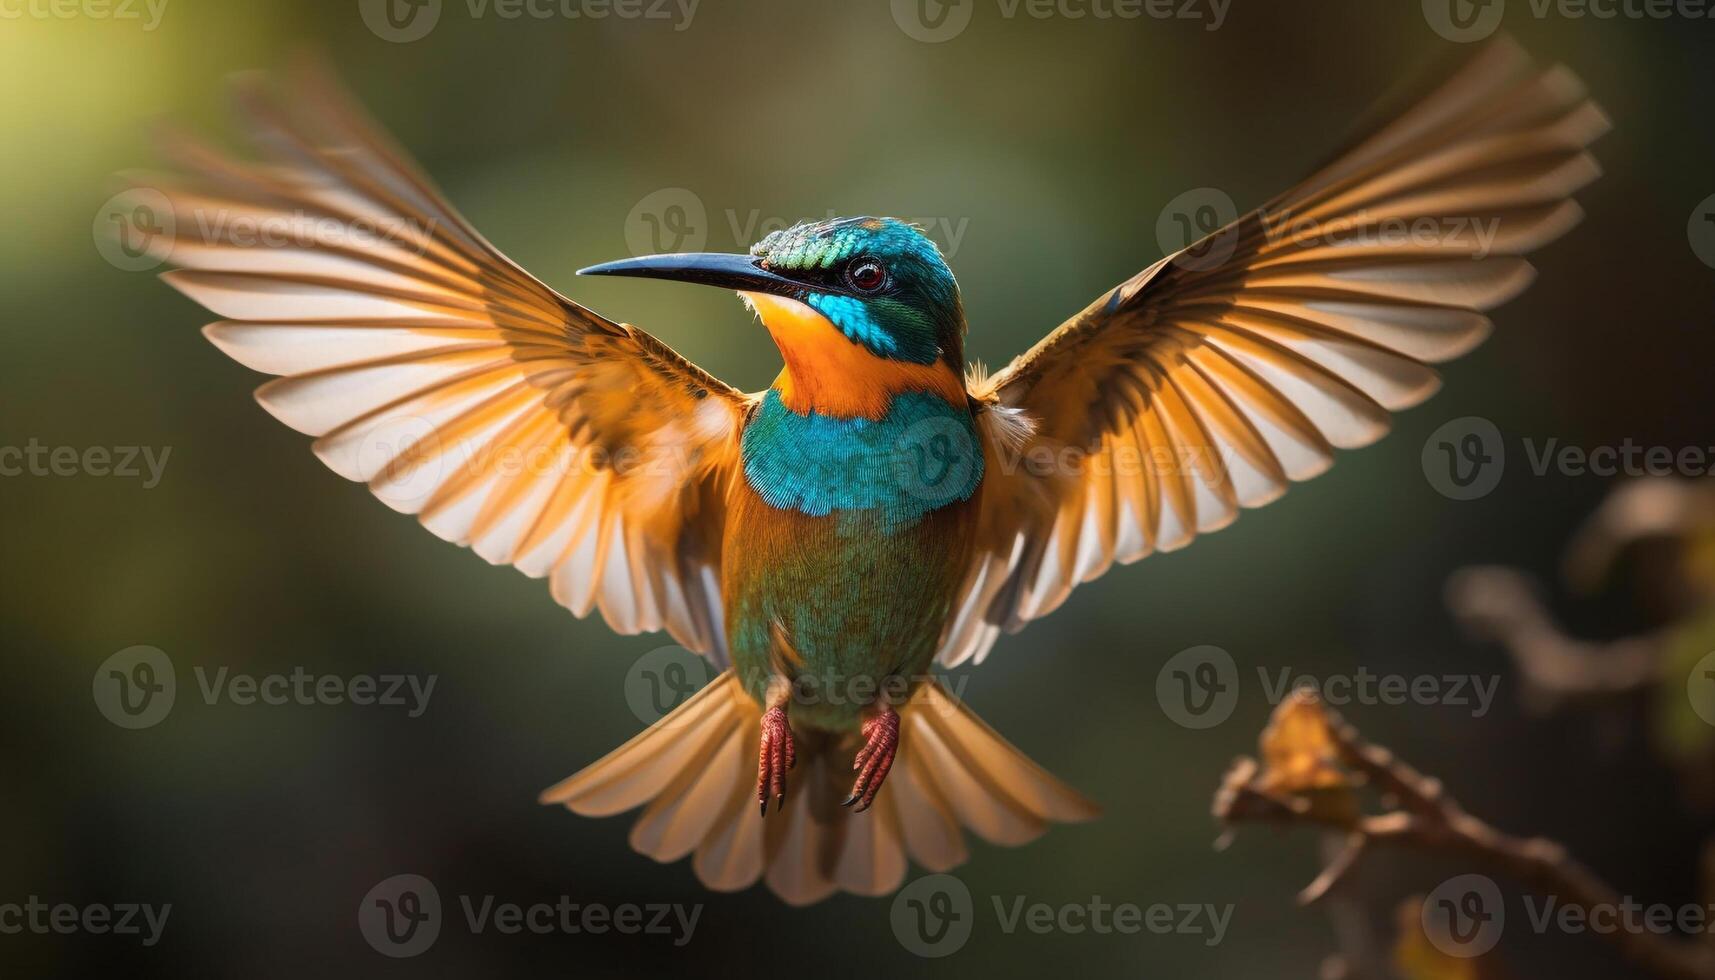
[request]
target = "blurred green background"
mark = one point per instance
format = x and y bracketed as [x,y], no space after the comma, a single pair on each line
[1053,143]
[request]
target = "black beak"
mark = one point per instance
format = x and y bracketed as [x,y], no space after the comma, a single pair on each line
[740,272]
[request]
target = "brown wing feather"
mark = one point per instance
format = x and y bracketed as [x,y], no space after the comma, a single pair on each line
[460,388]
[1211,379]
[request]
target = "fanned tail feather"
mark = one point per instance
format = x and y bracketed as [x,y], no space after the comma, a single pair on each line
[694,772]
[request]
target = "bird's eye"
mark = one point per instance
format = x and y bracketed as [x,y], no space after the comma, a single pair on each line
[866,275]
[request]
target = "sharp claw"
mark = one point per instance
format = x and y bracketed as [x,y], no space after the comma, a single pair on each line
[875,759]
[776,755]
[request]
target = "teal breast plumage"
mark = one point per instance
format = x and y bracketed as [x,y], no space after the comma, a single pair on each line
[923,454]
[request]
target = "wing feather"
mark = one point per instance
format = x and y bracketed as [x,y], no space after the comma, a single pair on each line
[1212,379]
[426,364]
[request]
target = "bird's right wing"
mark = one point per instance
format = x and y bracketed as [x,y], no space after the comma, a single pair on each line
[458,387]
[1214,378]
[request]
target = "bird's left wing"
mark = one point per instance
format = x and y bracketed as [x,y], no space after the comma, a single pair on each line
[458,387]
[1212,379]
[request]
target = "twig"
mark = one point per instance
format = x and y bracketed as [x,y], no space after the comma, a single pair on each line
[1361,955]
[1423,816]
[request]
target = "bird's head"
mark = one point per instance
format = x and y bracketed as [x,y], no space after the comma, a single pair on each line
[861,309]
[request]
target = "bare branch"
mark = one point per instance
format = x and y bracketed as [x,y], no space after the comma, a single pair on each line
[1424,817]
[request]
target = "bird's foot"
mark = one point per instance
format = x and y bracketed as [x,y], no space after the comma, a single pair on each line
[881,743]
[778,753]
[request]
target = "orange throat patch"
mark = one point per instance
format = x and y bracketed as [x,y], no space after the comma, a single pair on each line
[830,374]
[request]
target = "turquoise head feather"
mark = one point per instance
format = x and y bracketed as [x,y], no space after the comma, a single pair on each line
[881,281]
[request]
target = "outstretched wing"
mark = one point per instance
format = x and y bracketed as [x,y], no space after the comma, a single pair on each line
[457,386]
[1215,377]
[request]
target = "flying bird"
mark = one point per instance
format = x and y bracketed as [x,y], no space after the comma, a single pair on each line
[879,509]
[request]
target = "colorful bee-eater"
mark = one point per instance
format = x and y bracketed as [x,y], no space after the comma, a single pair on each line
[878,509]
